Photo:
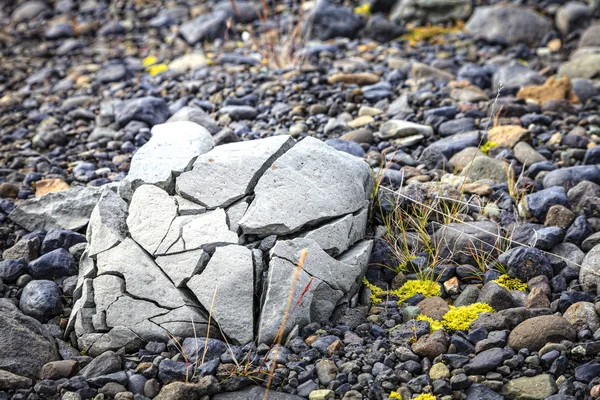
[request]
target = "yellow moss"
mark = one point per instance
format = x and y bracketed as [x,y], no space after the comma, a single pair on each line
[485,148]
[433,324]
[364,9]
[148,61]
[510,283]
[157,69]
[395,395]
[460,318]
[430,33]
[377,293]
[426,287]
[425,396]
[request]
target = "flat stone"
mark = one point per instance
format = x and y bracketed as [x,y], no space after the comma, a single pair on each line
[182,266]
[171,150]
[218,178]
[291,181]
[398,129]
[228,279]
[151,213]
[535,388]
[67,209]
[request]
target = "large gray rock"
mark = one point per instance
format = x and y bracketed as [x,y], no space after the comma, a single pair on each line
[170,151]
[25,345]
[230,171]
[315,182]
[513,24]
[67,209]
[154,265]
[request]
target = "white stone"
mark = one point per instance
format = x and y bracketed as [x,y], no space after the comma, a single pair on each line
[107,289]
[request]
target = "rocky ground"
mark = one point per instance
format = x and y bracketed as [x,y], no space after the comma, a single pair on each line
[482,135]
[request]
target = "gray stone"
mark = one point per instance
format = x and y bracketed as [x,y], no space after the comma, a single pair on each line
[226,287]
[582,66]
[396,128]
[255,393]
[197,115]
[105,364]
[28,11]
[496,296]
[151,213]
[515,74]
[235,213]
[432,11]
[343,186]
[116,339]
[25,345]
[571,176]
[171,150]
[108,223]
[206,27]
[134,314]
[10,381]
[41,300]
[231,171]
[486,168]
[526,154]
[461,240]
[26,248]
[589,274]
[67,209]
[181,267]
[537,387]
[526,25]
[151,110]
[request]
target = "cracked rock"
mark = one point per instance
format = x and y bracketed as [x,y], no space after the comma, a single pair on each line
[152,267]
